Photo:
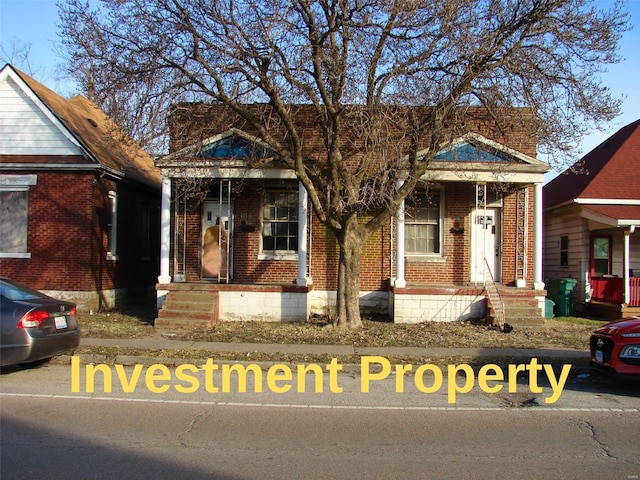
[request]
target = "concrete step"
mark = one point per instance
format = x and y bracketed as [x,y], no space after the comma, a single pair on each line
[175,323]
[184,309]
[521,311]
[188,314]
[188,296]
[183,305]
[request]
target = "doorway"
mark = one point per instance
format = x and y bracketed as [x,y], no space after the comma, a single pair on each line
[485,245]
[216,245]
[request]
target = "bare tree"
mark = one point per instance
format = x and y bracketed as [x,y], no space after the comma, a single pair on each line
[390,81]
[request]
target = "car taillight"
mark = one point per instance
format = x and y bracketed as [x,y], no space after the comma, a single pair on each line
[73,311]
[33,319]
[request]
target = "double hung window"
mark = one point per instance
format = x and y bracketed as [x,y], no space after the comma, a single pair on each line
[423,224]
[280,221]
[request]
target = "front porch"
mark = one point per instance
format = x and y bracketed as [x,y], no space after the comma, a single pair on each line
[612,290]
[607,298]
[202,304]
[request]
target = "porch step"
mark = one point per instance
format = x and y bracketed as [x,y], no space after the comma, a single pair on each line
[188,310]
[520,310]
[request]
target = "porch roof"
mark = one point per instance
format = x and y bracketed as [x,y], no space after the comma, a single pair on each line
[614,215]
[470,158]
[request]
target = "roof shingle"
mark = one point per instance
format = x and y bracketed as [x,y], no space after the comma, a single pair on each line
[609,171]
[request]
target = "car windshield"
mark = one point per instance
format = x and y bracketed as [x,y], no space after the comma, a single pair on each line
[15,291]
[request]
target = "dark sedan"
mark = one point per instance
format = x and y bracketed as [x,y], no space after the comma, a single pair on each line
[616,346]
[34,327]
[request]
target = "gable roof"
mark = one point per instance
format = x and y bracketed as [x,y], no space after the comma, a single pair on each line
[611,171]
[88,127]
[233,143]
[471,152]
[475,148]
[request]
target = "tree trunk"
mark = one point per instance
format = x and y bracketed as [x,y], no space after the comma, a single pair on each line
[350,240]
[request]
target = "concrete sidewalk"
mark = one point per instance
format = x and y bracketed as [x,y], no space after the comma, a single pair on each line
[167,344]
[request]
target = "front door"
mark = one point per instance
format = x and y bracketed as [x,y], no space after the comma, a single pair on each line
[216,242]
[485,245]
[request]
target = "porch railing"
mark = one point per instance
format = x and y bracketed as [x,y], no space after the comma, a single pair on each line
[611,290]
[634,292]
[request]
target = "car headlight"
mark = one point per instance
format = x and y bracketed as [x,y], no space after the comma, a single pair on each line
[631,335]
[630,351]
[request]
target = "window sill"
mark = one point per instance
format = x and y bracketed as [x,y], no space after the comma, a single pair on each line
[15,255]
[278,256]
[425,259]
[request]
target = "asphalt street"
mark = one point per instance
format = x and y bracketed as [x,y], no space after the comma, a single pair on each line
[49,431]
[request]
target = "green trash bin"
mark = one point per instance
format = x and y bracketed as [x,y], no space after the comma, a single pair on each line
[548,307]
[560,290]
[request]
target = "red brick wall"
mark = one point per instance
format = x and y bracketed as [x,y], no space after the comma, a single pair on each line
[190,123]
[59,234]
[247,268]
[453,267]
[67,241]
[378,253]
[509,238]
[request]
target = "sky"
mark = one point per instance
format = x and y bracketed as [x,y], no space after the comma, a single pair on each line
[34,23]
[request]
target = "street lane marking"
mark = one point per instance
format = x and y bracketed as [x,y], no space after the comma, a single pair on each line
[319,406]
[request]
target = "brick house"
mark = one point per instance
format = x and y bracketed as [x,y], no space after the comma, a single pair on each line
[241,241]
[591,220]
[79,202]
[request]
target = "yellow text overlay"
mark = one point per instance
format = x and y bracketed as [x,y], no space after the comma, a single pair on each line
[314,378]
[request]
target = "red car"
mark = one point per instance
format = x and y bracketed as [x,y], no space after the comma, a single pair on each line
[616,346]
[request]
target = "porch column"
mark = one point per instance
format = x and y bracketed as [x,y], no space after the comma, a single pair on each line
[400,282]
[303,219]
[165,239]
[626,263]
[538,284]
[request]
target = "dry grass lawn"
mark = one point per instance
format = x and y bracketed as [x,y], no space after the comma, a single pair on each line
[567,332]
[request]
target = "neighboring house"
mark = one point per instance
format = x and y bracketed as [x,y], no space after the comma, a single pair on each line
[591,217]
[242,242]
[79,202]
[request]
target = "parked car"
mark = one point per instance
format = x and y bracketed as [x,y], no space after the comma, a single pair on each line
[616,346]
[34,326]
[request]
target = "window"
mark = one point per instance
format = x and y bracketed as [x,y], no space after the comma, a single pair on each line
[564,251]
[601,256]
[423,224]
[280,221]
[14,219]
[112,225]
[14,215]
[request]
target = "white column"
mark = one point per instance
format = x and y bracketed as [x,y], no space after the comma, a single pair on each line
[165,231]
[538,284]
[626,262]
[400,282]
[165,240]
[303,215]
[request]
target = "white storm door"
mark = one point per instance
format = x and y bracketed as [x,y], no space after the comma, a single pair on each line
[485,245]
